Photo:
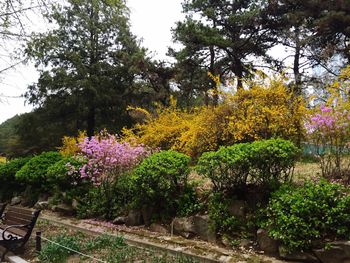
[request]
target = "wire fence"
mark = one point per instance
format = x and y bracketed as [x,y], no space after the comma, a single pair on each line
[39,237]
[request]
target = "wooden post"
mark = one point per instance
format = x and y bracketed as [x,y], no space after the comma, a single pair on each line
[38,241]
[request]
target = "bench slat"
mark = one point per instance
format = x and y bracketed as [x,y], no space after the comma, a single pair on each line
[19,215]
[20,210]
[16,219]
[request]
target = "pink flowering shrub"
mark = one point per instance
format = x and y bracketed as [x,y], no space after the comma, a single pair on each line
[106,156]
[328,129]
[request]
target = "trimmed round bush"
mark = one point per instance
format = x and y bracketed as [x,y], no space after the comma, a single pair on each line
[8,183]
[264,162]
[160,179]
[299,216]
[65,172]
[227,168]
[272,160]
[35,170]
[8,170]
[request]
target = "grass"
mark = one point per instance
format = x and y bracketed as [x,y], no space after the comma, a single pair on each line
[111,249]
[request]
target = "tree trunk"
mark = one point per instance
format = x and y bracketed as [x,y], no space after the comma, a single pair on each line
[91,122]
[296,66]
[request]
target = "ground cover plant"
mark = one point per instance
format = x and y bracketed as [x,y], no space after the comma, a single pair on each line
[111,249]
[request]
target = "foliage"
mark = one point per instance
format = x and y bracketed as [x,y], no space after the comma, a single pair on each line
[91,67]
[65,173]
[267,111]
[159,181]
[328,129]
[264,111]
[107,156]
[189,203]
[299,216]
[35,170]
[108,200]
[272,161]
[264,162]
[8,183]
[70,144]
[55,254]
[228,168]
[221,220]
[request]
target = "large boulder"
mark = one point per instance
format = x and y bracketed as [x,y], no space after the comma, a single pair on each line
[147,213]
[203,229]
[184,226]
[266,243]
[64,209]
[16,200]
[297,256]
[41,205]
[337,252]
[120,220]
[134,218]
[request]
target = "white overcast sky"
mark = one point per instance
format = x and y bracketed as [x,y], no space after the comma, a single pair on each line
[151,21]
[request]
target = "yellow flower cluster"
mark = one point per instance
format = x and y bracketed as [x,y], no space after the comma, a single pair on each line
[70,144]
[263,111]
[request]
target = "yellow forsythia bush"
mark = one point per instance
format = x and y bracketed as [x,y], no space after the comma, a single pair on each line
[70,144]
[261,112]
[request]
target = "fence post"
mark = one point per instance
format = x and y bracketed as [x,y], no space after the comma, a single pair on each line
[38,241]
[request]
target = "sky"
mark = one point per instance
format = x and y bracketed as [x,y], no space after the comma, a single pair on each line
[151,21]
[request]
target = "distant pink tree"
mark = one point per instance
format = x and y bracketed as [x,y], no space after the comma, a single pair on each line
[328,129]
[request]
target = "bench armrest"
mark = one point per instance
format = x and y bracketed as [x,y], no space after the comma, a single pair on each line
[11,236]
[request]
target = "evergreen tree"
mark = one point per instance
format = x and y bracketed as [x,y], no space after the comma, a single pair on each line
[89,65]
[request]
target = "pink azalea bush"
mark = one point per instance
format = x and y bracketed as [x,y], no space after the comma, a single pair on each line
[328,129]
[105,156]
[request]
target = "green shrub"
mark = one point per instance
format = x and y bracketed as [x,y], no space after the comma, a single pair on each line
[159,181]
[299,216]
[221,220]
[272,161]
[105,201]
[8,183]
[64,173]
[262,162]
[35,170]
[227,168]
[188,203]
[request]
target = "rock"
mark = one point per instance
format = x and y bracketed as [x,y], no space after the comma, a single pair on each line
[16,200]
[297,256]
[42,205]
[183,224]
[63,209]
[245,243]
[158,228]
[43,197]
[120,220]
[339,251]
[147,214]
[238,209]
[266,243]
[226,242]
[134,218]
[75,204]
[203,229]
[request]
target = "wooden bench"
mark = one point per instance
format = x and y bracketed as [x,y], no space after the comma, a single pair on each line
[16,227]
